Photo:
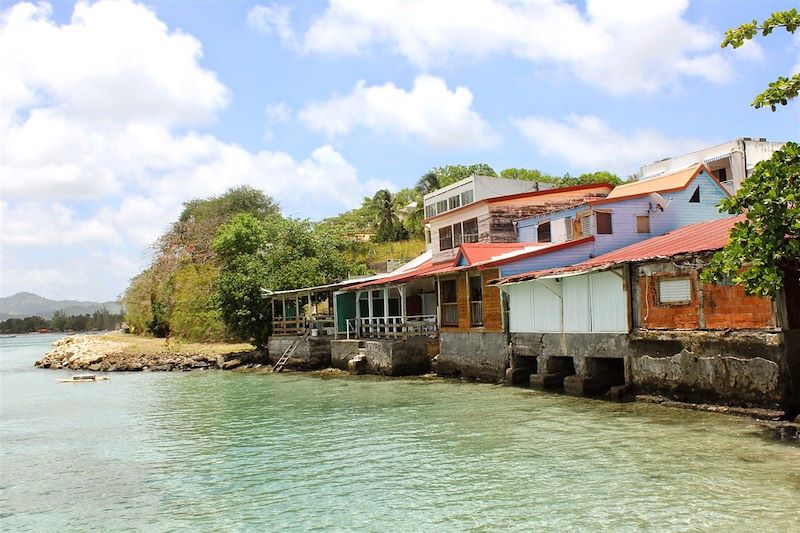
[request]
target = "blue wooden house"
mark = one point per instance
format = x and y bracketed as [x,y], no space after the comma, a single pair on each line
[631,213]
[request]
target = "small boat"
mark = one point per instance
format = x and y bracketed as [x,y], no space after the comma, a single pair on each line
[79,378]
[7,336]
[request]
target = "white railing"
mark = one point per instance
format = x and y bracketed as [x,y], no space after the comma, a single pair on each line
[392,327]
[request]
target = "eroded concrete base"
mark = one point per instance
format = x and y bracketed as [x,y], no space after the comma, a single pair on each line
[311,354]
[750,369]
[382,357]
[473,355]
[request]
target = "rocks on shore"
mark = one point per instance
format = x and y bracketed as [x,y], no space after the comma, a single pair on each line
[99,354]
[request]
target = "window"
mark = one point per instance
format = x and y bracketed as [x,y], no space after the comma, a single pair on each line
[454,201]
[445,238]
[722,175]
[427,236]
[674,290]
[467,197]
[456,235]
[603,221]
[441,207]
[568,227]
[543,232]
[586,225]
[695,199]
[430,211]
[470,233]
[449,302]
[643,224]
[476,300]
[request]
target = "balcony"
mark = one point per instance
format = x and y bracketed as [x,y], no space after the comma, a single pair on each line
[391,327]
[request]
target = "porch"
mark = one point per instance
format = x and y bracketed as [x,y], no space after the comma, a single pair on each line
[296,311]
[391,311]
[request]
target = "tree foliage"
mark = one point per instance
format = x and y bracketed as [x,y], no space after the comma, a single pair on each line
[783,89]
[100,320]
[768,241]
[273,254]
[439,177]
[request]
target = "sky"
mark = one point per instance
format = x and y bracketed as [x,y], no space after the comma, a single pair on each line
[114,113]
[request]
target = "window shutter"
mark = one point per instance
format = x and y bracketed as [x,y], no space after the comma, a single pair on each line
[674,290]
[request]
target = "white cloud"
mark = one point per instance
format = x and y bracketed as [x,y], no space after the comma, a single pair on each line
[622,46]
[272,18]
[97,153]
[112,61]
[586,142]
[429,111]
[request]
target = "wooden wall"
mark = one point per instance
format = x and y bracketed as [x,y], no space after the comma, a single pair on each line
[492,304]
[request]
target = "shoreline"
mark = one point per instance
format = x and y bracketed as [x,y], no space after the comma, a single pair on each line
[118,352]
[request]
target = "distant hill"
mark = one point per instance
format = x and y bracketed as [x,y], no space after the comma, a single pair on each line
[23,304]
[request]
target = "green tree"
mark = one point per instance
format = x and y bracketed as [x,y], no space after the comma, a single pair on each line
[439,177]
[528,174]
[783,89]
[241,244]
[767,243]
[384,210]
[601,176]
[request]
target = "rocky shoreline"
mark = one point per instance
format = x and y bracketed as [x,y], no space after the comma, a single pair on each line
[99,353]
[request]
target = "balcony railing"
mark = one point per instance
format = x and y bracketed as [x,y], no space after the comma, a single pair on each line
[476,313]
[392,327]
[450,314]
[298,325]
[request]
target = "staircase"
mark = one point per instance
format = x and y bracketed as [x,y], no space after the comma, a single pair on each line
[289,352]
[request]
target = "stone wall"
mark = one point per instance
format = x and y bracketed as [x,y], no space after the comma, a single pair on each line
[473,355]
[742,368]
[751,369]
[384,357]
[311,353]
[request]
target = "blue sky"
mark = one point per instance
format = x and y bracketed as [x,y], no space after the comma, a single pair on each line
[114,113]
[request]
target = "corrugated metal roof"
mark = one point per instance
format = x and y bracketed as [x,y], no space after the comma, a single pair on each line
[694,238]
[600,187]
[668,182]
[483,251]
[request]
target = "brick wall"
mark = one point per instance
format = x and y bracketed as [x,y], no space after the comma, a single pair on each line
[729,307]
[711,306]
[667,316]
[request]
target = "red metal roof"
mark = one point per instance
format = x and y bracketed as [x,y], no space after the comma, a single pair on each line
[425,269]
[694,238]
[476,252]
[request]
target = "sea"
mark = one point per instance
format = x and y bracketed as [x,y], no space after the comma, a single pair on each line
[235,451]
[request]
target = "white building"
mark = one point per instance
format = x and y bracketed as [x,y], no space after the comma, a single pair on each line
[730,162]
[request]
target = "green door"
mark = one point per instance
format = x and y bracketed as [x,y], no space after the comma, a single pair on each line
[345,309]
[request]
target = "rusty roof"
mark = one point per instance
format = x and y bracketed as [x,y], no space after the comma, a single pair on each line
[694,238]
[532,194]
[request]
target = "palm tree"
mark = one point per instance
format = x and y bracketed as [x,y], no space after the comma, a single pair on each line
[429,182]
[383,208]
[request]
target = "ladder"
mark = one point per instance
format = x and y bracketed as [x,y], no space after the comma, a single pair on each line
[289,352]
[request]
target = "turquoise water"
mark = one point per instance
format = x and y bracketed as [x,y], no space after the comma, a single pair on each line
[214,451]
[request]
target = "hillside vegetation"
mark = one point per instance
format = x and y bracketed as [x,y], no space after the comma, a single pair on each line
[208,269]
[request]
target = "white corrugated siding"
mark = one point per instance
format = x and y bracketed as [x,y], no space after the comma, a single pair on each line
[608,306]
[593,302]
[576,304]
[547,306]
[520,307]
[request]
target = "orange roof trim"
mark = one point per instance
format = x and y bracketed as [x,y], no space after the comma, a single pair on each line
[673,181]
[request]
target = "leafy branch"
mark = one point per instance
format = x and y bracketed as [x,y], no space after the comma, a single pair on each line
[783,89]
